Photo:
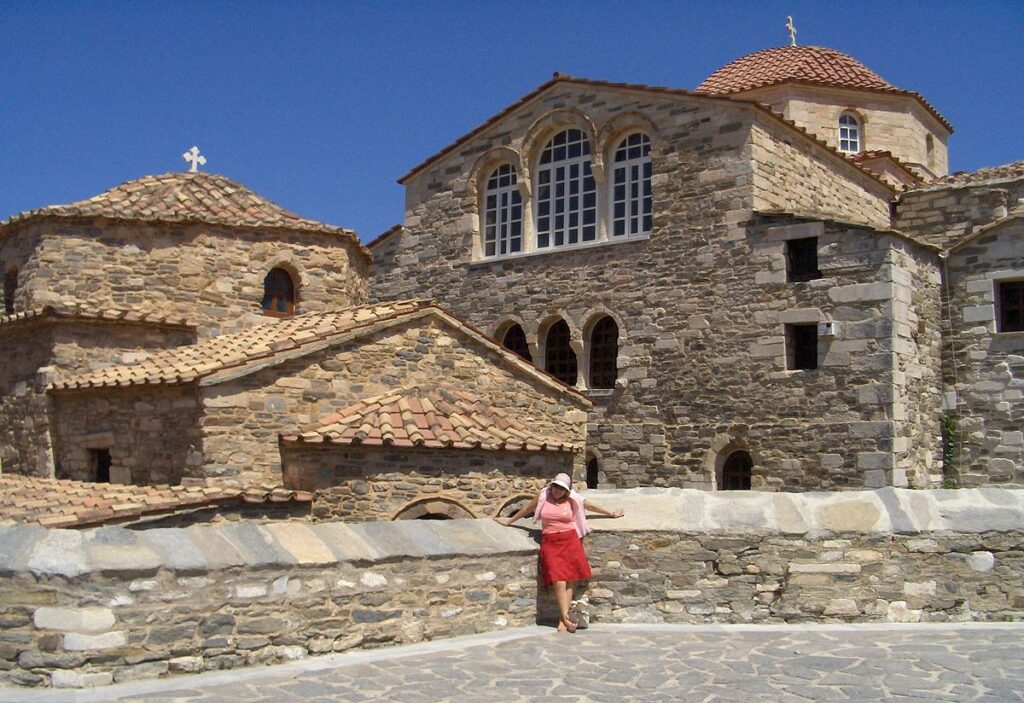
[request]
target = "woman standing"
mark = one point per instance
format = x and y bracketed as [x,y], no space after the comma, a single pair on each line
[561,512]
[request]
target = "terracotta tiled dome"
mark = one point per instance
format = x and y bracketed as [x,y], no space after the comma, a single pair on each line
[807,64]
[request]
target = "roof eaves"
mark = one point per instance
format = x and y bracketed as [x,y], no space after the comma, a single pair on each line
[812,217]
[383,235]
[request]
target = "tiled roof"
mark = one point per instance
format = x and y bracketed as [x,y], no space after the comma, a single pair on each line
[994,173]
[79,312]
[383,235]
[865,159]
[63,503]
[187,197]
[435,417]
[815,65]
[265,341]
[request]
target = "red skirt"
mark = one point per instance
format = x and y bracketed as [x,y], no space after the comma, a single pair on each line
[562,558]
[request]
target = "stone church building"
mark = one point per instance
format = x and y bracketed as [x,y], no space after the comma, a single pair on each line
[769,282]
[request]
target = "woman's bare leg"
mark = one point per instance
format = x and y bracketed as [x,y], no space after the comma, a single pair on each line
[563,597]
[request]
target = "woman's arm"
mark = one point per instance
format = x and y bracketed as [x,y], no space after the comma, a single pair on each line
[522,512]
[595,508]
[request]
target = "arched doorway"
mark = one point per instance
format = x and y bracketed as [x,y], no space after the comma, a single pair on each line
[736,472]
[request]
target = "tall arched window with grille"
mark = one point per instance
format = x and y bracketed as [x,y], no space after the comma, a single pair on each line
[503,213]
[604,353]
[631,187]
[278,293]
[566,199]
[10,287]
[559,358]
[515,341]
[849,133]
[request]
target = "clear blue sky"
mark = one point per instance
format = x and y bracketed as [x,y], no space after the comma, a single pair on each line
[322,106]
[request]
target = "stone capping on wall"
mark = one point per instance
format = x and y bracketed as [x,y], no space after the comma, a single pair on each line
[199,548]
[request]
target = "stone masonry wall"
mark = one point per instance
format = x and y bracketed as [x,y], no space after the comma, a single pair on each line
[91,607]
[984,368]
[200,272]
[375,483]
[244,416]
[943,214]
[896,124]
[37,352]
[16,251]
[154,434]
[790,174]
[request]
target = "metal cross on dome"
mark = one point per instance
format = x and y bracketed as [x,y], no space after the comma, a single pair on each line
[792,30]
[195,158]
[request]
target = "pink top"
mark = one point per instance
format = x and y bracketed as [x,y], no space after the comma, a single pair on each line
[556,517]
[579,516]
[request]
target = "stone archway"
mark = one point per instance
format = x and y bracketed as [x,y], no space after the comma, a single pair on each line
[434,509]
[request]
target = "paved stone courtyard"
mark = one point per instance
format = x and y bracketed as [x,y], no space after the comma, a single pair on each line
[935,662]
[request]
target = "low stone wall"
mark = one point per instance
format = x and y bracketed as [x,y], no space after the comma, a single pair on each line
[92,607]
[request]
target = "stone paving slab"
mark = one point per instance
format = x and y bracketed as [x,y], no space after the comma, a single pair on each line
[703,663]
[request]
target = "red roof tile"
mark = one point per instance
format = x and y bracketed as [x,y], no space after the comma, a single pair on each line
[435,417]
[81,312]
[63,503]
[994,173]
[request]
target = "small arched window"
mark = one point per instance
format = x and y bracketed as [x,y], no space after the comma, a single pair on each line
[10,287]
[503,213]
[559,358]
[604,354]
[278,293]
[515,341]
[631,187]
[849,134]
[566,193]
[736,472]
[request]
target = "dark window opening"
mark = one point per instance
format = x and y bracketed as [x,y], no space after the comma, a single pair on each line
[10,286]
[1011,306]
[100,460]
[604,354]
[592,473]
[278,293]
[559,358]
[515,341]
[802,259]
[434,516]
[736,472]
[801,347]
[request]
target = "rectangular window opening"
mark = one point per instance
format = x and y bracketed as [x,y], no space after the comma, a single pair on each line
[802,260]
[99,461]
[801,347]
[1011,306]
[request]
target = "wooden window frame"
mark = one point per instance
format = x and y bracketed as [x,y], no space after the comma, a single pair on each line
[502,209]
[851,133]
[629,191]
[271,295]
[565,188]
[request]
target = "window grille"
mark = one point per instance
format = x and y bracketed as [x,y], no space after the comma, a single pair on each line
[503,213]
[515,341]
[604,353]
[631,187]
[559,358]
[566,193]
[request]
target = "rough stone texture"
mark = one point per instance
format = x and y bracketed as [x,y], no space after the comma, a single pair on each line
[702,304]
[374,483]
[210,274]
[678,556]
[985,367]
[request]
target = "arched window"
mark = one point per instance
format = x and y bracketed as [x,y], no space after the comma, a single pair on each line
[736,472]
[10,286]
[559,358]
[515,341]
[503,213]
[604,354]
[631,187]
[278,293]
[566,194]
[849,134]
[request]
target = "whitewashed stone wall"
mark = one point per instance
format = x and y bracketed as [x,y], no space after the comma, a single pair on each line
[93,607]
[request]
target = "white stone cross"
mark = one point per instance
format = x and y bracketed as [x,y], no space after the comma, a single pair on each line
[193,156]
[792,30]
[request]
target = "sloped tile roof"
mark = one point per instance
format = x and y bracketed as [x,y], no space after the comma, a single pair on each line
[434,417]
[81,312]
[187,197]
[814,65]
[63,503]
[190,363]
[993,173]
